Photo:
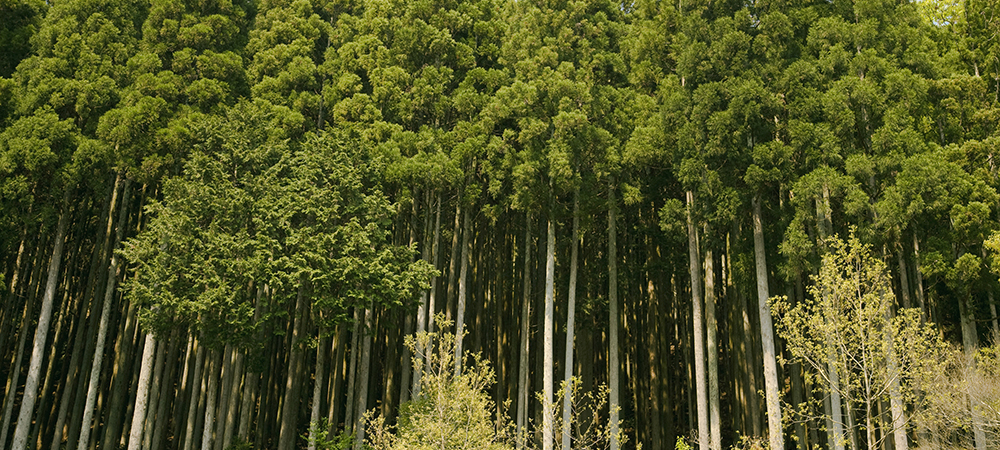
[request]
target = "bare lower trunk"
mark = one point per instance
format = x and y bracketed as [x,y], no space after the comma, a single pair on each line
[462,290]
[920,279]
[773,401]
[194,395]
[20,439]
[613,365]
[712,353]
[317,394]
[836,408]
[232,409]
[362,406]
[567,430]
[142,394]
[208,428]
[290,404]
[154,395]
[548,355]
[694,260]
[522,384]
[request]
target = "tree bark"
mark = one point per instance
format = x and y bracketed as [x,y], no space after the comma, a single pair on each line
[712,353]
[547,329]
[836,408]
[771,387]
[102,328]
[142,394]
[154,401]
[213,369]
[194,394]
[567,430]
[362,405]
[701,394]
[317,394]
[20,439]
[288,434]
[613,365]
[462,289]
[522,385]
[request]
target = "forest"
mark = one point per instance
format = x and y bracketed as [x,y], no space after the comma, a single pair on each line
[499,224]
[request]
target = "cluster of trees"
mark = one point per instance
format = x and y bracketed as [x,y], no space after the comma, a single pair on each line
[220,218]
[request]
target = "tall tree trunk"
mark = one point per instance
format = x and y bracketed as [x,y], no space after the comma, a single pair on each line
[153,402]
[775,434]
[290,404]
[233,397]
[142,394]
[427,324]
[522,384]
[352,371]
[920,278]
[365,363]
[333,415]
[102,328]
[15,369]
[712,353]
[321,350]
[213,369]
[701,394]
[168,398]
[613,365]
[836,408]
[194,394]
[567,430]
[547,326]
[20,439]
[463,282]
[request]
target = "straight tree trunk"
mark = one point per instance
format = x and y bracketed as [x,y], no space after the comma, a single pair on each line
[142,394]
[213,369]
[152,405]
[462,289]
[712,353]
[567,430]
[167,397]
[15,368]
[102,328]
[20,439]
[362,406]
[222,411]
[701,394]
[288,434]
[771,387]
[547,326]
[333,416]
[428,323]
[194,395]
[613,365]
[352,372]
[522,377]
[317,394]
[836,408]
[920,279]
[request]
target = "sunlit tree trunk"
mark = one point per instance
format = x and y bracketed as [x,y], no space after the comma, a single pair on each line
[613,366]
[694,260]
[142,394]
[20,439]
[463,282]
[522,377]
[712,353]
[288,435]
[548,355]
[567,430]
[362,405]
[771,387]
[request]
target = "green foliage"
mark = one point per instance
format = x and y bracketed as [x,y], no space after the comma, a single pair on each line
[254,208]
[848,326]
[453,411]
[323,437]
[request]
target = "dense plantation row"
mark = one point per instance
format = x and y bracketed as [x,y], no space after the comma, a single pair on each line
[220,218]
